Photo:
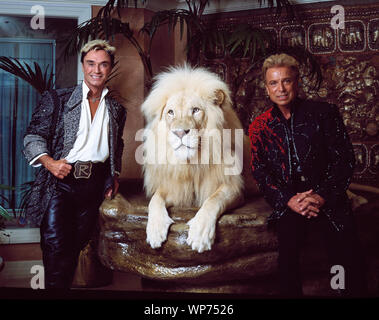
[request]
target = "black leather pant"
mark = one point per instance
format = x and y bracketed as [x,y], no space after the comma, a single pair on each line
[68,225]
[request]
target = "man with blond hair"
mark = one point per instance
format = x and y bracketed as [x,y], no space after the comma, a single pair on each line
[303,160]
[75,137]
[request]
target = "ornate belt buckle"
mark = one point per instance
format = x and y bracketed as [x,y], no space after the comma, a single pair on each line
[83,169]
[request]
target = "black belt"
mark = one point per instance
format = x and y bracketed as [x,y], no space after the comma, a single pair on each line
[85,169]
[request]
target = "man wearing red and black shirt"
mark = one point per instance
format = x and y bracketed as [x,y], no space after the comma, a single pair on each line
[303,160]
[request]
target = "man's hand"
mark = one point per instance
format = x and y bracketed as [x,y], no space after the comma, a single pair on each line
[306,203]
[59,168]
[110,191]
[320,199]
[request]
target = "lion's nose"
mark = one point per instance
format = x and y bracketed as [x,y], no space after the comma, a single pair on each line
[181,133]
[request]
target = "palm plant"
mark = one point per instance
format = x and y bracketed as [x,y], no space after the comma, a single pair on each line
[106,25]
[39,80]
[190,17]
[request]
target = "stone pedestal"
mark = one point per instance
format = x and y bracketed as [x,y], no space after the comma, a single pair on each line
[243,258]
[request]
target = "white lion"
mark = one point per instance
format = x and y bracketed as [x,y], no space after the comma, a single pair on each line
[193,153]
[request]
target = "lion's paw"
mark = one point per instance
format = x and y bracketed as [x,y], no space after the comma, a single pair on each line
[201,233]
[157,229]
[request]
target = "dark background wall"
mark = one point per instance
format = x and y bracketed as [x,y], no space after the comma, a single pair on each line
[348,57]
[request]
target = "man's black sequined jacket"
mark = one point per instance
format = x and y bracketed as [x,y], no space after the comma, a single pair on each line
[322,147]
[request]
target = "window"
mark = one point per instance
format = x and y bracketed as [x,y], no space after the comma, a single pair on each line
[18,98]
[17,101]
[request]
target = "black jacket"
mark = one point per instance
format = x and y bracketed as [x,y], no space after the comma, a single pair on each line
[323,147]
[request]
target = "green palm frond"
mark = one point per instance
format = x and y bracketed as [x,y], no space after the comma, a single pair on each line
[212,40]
[26,191]
[188,19]
[104,24]
[166,17]
[4,198]
[38,80]
[171,18]
[280,5]
[4,213]
[109,7]
[95,28]
[196,7]
[105,28]
[6,187]
[249,41]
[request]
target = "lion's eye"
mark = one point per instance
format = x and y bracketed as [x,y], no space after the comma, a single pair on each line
[170,112]
[195,110]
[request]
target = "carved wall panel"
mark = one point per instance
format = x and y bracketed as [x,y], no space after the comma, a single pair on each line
[350,64]
[292,35]
[352,38]
[322,38]
[373,34]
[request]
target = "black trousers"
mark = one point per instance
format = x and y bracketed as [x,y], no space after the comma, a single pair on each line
[69,223]
[342,248]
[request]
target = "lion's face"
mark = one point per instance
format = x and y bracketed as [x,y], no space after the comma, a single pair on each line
[186,118]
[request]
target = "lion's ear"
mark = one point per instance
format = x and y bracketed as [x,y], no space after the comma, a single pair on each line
[219,97]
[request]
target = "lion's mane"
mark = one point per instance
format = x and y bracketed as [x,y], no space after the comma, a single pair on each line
[188,184]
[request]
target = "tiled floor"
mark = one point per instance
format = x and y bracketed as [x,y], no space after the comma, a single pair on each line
[17,274]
